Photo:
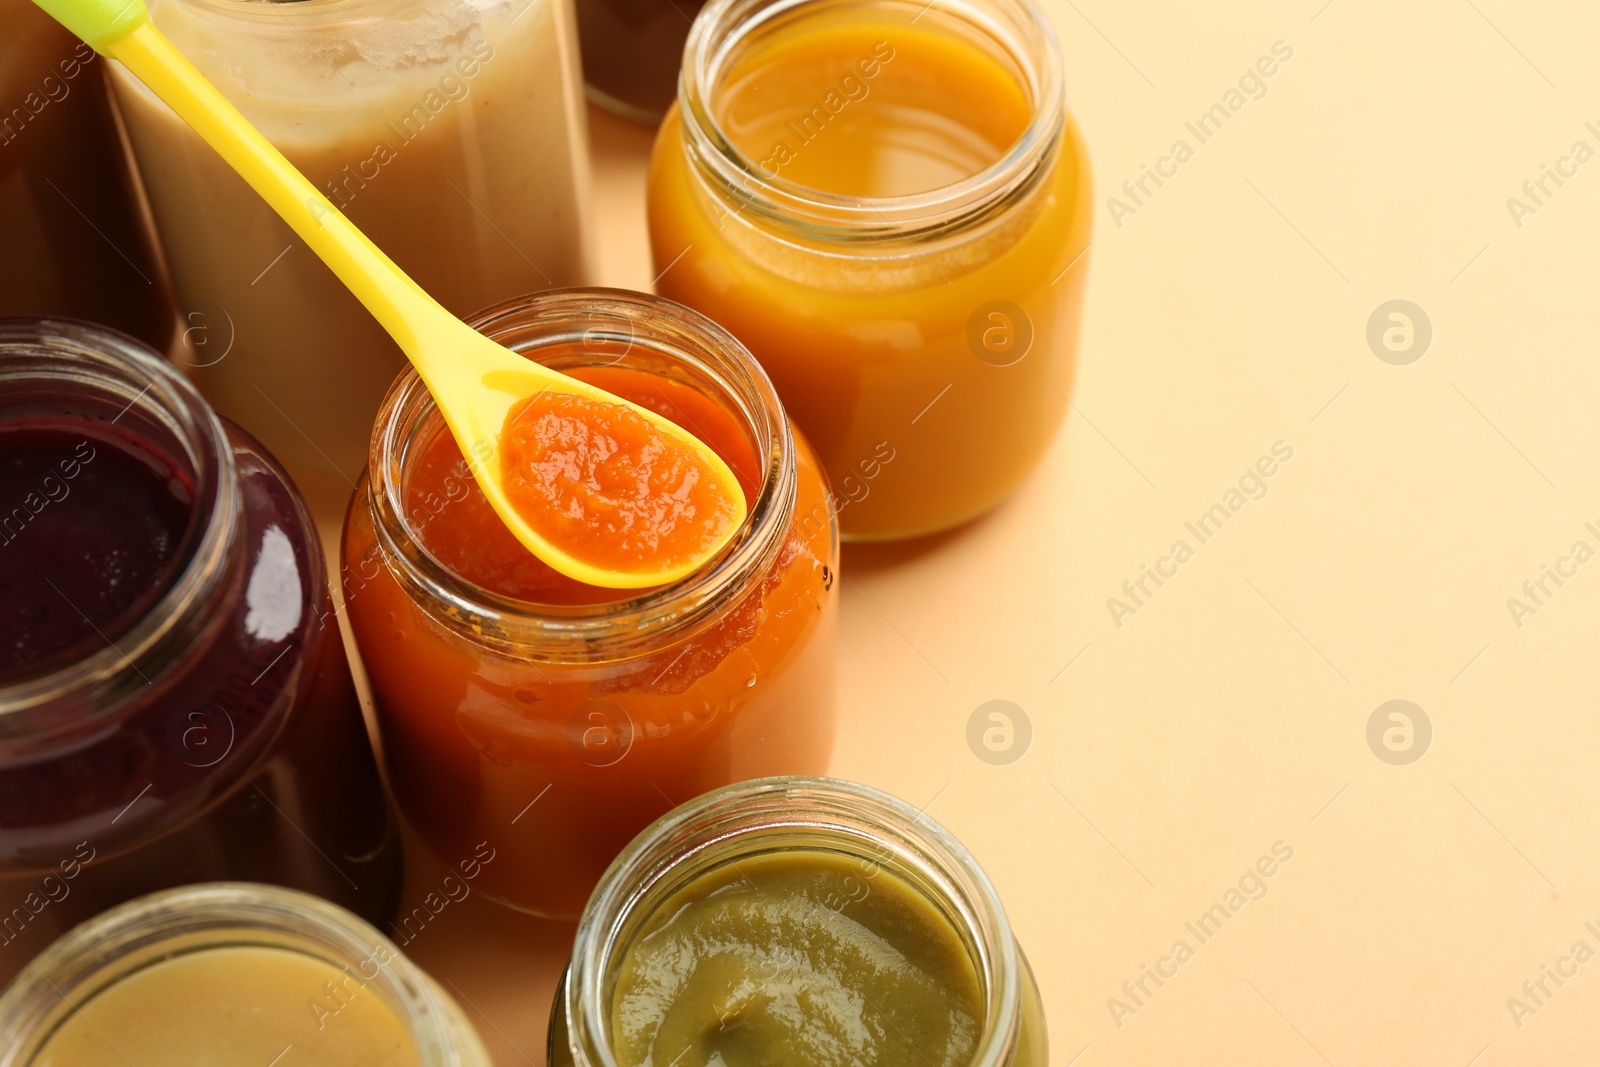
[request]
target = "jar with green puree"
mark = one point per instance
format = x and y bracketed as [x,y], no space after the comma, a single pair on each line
[796,922]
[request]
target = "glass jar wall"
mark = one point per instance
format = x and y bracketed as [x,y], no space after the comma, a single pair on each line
[887,201]
[76,239]
[450,132]
[791,921]
[175,703]
[632,50]
[555,720]
[230,973]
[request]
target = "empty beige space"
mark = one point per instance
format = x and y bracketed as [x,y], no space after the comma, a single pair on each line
[1184,743]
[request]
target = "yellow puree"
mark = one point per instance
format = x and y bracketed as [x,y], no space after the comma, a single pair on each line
[912,109]
[243,1006]
[872,352]
[797,959]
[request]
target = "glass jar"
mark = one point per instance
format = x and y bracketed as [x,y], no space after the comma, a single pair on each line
[451,132]
[563,728]
[632,50]
[872,830]
[943,321]
[244,962]
[175,702]
[76,239]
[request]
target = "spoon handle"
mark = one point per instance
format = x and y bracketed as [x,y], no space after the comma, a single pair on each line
[122,30]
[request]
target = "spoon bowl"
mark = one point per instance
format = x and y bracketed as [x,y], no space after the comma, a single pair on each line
[497,381]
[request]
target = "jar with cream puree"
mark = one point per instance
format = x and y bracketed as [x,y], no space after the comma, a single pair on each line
[450,131]
[236,975]
[175,702]
[552,719]
[796,922]
[887,201]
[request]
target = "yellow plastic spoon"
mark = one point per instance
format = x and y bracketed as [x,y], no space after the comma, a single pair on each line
[474,380]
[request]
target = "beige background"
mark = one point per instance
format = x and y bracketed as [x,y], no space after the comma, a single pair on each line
[1228,313]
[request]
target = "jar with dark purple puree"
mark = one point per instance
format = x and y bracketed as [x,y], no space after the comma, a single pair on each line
[175,702]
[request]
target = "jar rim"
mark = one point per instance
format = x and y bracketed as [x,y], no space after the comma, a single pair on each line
[593,318]
[105,361]
[849,814]
[329,10]
[199,918]
[1019,27]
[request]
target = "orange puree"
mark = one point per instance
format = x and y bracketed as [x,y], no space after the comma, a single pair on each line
[604,738]
[604,485]
[947,345]
[474,543]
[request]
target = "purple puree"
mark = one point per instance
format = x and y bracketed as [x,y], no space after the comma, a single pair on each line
[87,539]
[233,748]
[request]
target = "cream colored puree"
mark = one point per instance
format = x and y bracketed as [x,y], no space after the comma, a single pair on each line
[242,1006]
[447,130]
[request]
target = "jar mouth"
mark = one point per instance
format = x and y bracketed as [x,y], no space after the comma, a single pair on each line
[269,9]
[602,328]
[1016,30]
[768,814]
[89,371]
[149,930]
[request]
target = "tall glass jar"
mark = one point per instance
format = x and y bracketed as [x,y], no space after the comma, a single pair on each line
[873,831]
[77,242]
[632,50]
[940,316]
[558,718]
[175,703]
[451,132]
[262,969]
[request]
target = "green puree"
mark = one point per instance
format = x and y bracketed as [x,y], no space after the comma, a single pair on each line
[797,959]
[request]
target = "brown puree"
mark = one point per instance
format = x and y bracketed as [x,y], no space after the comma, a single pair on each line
[449,131]
[75,242]
[632,50]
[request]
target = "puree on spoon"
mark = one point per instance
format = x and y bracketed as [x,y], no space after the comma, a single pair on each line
[603,483]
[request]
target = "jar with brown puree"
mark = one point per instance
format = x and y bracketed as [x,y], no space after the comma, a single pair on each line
[796,922]
[76,243]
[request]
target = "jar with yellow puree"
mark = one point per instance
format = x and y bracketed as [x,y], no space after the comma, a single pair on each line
[554,720]
[450,131]
[796,922]
[230,974]
[887,201]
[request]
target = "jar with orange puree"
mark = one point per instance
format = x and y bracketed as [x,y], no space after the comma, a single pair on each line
[887,201]
[555,720]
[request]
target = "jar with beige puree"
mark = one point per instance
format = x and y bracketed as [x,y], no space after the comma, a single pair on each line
[450,131]
[231,973]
